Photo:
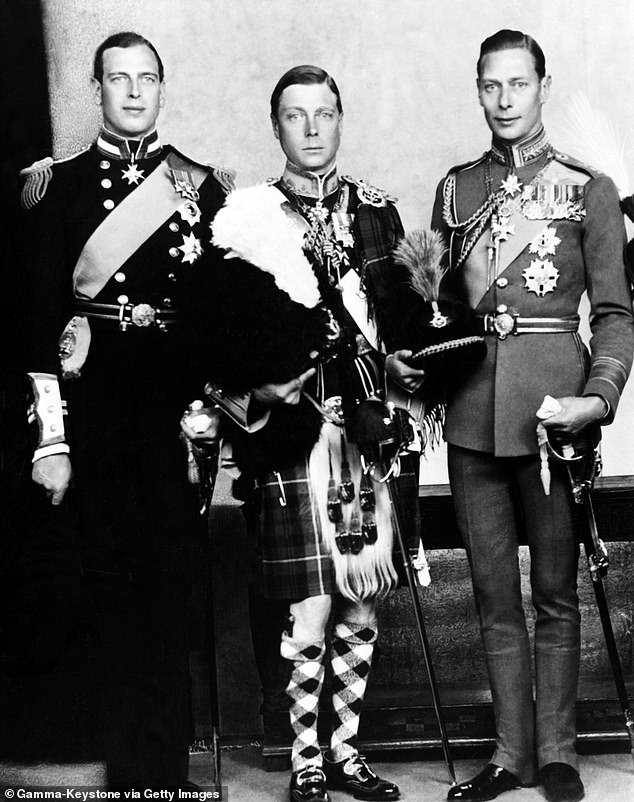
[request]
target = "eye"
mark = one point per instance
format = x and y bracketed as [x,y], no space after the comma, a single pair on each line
[520,84]
[326,115]
[293,116]
[488,88]
[149,79]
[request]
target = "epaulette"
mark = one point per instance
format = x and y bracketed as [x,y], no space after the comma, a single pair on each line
[225,176]
[467,165]
[576,164]
[368,193]
[38,176]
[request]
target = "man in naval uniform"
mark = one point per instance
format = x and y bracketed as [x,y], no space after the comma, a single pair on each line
[529,230]
[306,251]
[118,240]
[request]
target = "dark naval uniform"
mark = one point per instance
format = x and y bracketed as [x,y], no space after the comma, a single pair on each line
[529,231]
[113,263]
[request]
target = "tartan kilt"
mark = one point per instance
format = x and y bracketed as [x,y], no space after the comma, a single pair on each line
[293,560]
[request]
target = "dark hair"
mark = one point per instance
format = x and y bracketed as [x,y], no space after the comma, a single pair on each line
[507,40]
[304,74]
[123,39]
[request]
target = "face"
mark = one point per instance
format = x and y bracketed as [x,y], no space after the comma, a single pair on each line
[308,126]
[130,93]
[512,94]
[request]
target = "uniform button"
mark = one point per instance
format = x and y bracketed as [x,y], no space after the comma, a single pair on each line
[106,183]
[104,164]
[171,276]
[108,204]
[120,277]
[173,252]
[167,302]
[173,226]
[502,283]
[50,409]
[53,427]
[122,299]
[502,308]
[47,388]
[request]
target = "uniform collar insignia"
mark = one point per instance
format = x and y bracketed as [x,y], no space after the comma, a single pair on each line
[530,149]
[118,147]
[310,185]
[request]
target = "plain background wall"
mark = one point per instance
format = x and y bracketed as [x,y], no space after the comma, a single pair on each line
[405,68]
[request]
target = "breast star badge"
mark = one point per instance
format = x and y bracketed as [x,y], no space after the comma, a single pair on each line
[132,175]
[189,212]
[545,243]
[511,185]
[541,277]
[191,248]
[501,230]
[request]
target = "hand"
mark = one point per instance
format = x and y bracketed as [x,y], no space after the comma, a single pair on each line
[577,412]
[287,393]
[53,473]
[193,427]
[399,371]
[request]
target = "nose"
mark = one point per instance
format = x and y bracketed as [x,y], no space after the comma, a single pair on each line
[505,100]
[133,89]
[310,128]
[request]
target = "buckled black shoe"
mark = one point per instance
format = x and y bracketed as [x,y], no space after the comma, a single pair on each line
[562,783]
[357,778]
[309,785]
[488,784]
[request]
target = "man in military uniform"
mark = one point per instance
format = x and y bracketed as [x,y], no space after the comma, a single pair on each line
[529,231]
[312,247]
[118,243]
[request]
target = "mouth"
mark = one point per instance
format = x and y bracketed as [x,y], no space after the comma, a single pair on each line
[506,120]
[134,109]
[312,150]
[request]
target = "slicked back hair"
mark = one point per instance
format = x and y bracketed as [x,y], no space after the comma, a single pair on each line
[507,40]
[123,39]
[303,74]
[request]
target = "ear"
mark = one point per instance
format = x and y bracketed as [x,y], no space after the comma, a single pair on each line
[544,89]
[340,123]
[479,92]
[162,95]
[96,91]
[276,126]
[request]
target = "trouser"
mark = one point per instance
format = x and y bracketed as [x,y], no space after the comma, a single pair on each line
[492,495]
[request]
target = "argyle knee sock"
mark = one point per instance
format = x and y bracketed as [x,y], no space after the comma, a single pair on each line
[304,689]
[351,657]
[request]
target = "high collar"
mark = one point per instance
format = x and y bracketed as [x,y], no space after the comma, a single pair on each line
[118,147]
[521,153]
[310,185]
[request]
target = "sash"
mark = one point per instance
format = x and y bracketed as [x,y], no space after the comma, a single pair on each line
[355,302]
[131,224]
[542,215]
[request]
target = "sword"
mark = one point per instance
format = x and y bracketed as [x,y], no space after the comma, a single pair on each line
[372,454]
[582,470]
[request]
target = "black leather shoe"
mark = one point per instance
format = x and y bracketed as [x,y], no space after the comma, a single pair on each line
[562,783]
[491,782]
[357,778]
[309,785]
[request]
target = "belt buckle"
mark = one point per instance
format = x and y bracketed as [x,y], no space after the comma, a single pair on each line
[504,324]
[141,315]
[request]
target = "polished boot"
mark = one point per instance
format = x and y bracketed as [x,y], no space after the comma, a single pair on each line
[309,785]
[562,783]
[488,784]
[357,778]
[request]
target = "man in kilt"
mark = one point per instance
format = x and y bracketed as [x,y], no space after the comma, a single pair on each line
[307,254]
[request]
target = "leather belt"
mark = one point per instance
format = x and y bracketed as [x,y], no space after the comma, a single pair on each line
[139,315]
[505,322]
